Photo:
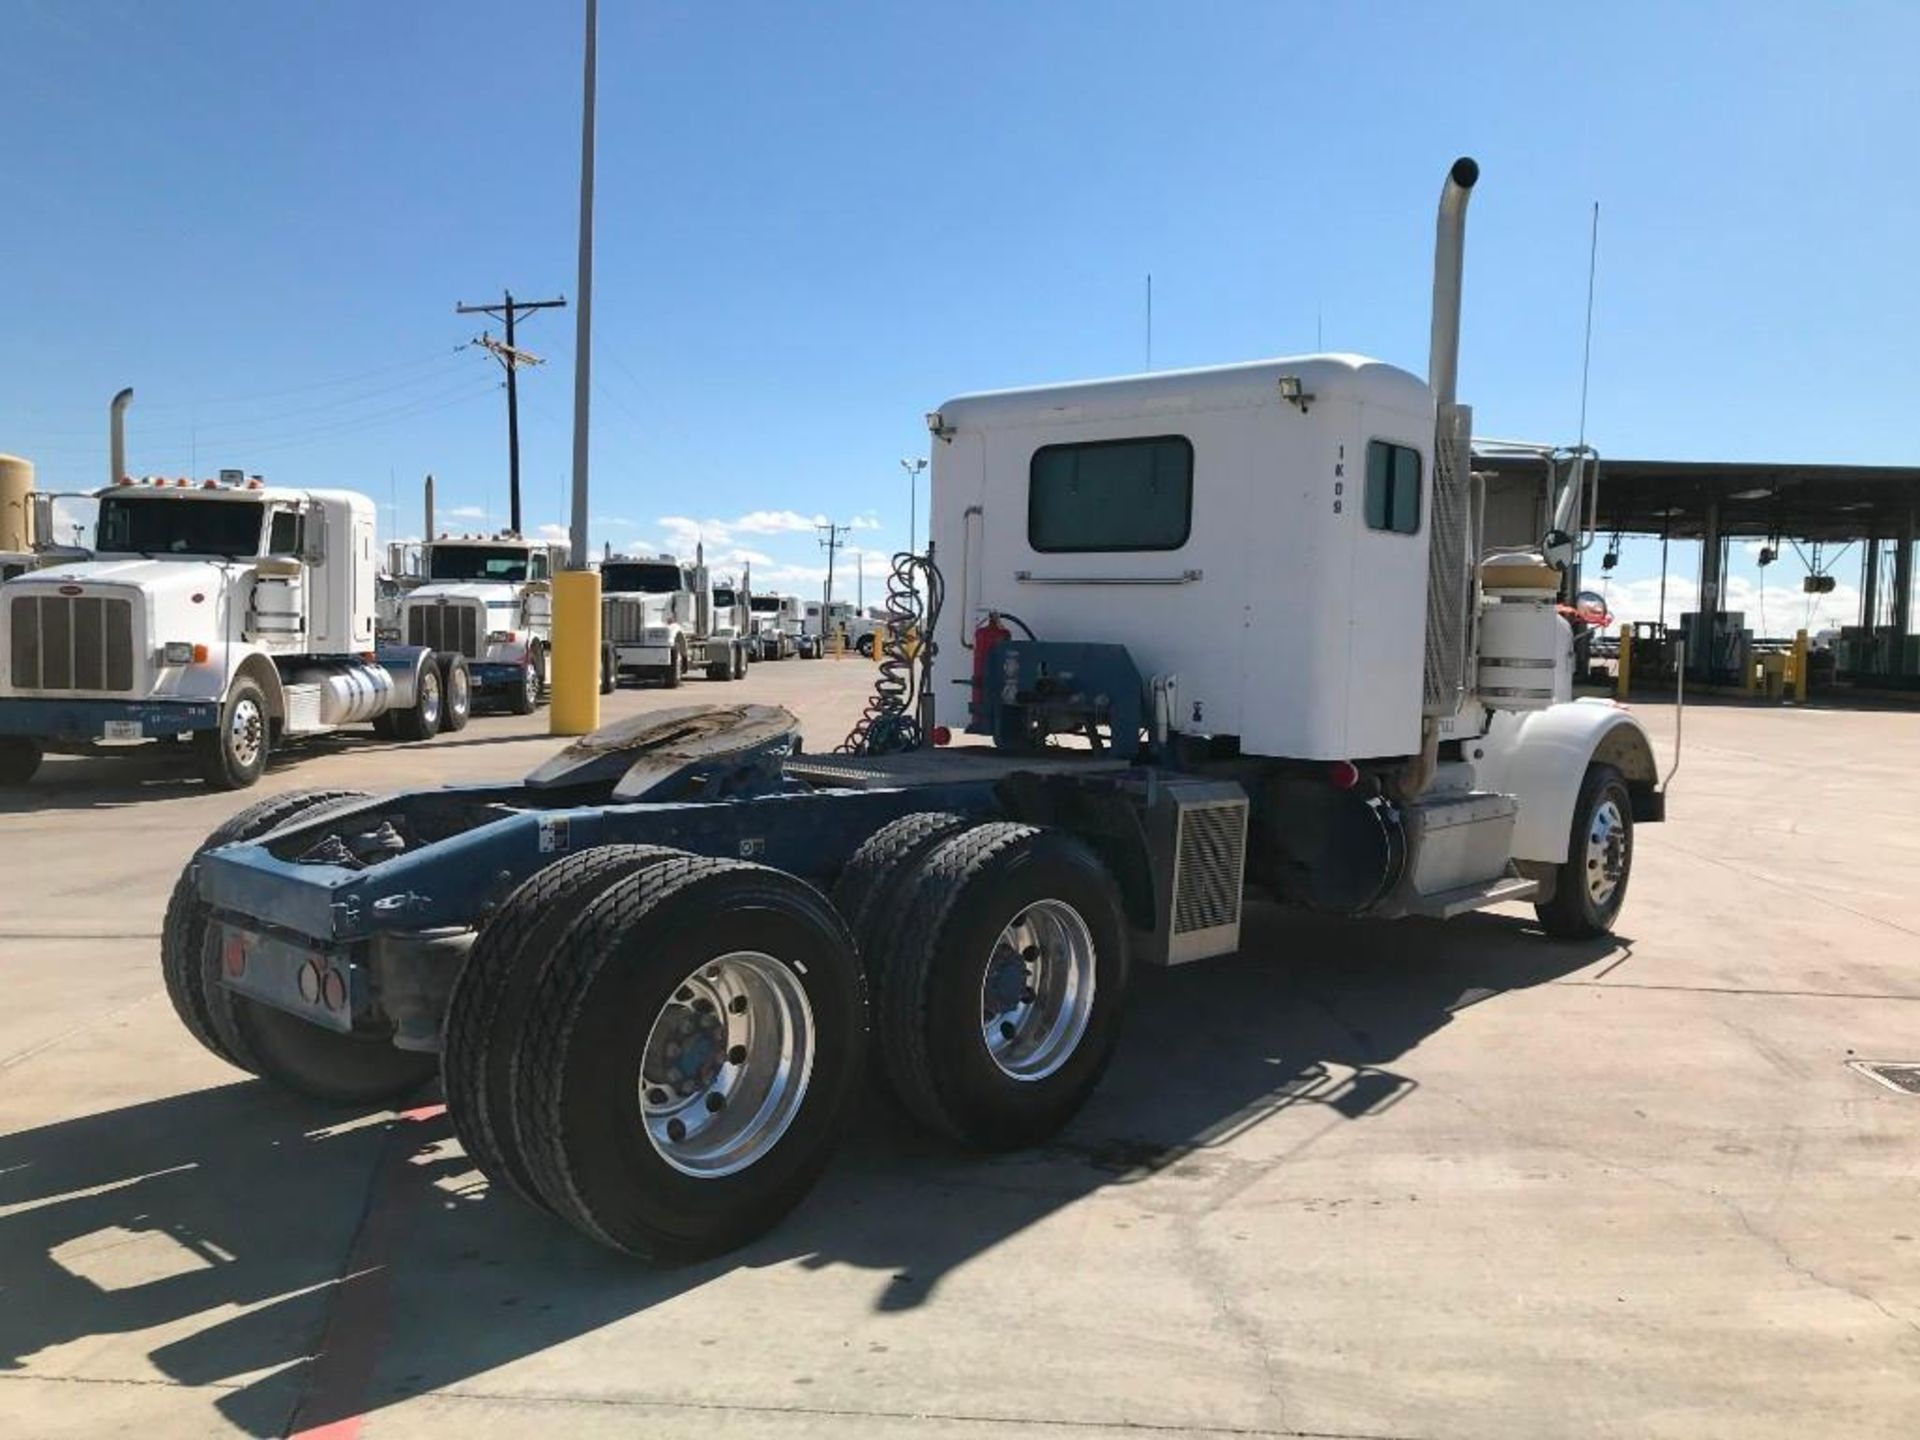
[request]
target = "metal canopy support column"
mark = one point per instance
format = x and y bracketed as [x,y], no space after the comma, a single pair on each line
[1870,584]
[1903,591]
[1700,643]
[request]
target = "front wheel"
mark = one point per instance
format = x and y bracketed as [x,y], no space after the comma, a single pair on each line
[456,692]
[233,756]
[1001,983]
[525,698]
[1591,885]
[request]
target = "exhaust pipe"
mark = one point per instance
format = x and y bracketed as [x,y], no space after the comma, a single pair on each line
[117,435]
[427,511]
[1449,253]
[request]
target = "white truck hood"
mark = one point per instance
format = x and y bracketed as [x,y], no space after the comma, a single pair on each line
[462,590]
[154,577]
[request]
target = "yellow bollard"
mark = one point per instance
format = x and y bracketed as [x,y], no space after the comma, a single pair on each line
[1624,677]
[1800,665]
[575,708]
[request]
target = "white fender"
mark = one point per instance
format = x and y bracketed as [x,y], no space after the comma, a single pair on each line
[1540,757]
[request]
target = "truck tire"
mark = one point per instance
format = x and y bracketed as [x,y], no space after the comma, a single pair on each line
[422,720]
[676,670]
[721,670]
[1008,916]
[19,759]
[871,885]
[489,1001]
[456,692]
[234,755]
[1591,886]
[609,671]
[525,698]
[192,984]
[749,976]
[739,662]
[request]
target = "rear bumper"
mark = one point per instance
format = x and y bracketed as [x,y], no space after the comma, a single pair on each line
[56,719]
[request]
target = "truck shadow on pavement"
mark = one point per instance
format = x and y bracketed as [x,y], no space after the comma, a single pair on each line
[310,1269]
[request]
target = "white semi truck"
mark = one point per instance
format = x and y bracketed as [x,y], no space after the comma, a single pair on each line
[661,618]
[1220,633]
[228,614]
[777,624]
[489,598]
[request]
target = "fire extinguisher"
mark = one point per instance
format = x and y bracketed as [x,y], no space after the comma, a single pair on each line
[986,639]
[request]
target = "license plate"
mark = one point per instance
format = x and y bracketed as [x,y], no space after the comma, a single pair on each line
[123,730]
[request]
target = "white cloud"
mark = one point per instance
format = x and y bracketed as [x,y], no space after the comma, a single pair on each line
[464,512]
[772,522]
[559,534]
[867,521]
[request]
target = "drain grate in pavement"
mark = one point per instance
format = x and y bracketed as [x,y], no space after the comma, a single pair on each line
[1901,1075]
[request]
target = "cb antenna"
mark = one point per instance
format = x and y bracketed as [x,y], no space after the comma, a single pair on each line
[1586,345]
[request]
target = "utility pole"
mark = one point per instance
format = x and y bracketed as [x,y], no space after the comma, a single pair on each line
[830,542]
[511,358]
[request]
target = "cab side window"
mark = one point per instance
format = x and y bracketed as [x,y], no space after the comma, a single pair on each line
[539,566]
[1393,488]
[284,537]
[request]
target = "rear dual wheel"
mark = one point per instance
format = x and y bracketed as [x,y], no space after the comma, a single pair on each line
[998,962]
[351,1069]
[659,1049]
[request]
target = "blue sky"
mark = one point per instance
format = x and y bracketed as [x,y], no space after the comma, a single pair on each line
[816,222]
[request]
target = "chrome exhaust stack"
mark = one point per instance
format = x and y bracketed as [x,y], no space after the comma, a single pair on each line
[1449,256]
[1451,546]
[117,436]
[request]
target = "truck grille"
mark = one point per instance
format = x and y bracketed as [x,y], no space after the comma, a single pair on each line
[622,621]
[451,627]
[62,642]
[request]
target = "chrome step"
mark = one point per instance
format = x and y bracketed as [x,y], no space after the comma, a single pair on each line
[1446,904]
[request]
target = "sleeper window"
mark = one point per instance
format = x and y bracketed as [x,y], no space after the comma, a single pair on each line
[1393,487]
[1111,495]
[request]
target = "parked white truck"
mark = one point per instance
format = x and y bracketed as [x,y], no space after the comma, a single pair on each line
[1223,632]
[228,614]
[661,618]
[489,598]
[777,623]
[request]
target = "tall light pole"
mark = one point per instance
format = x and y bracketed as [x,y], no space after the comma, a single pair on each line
[576,594]
[913,467]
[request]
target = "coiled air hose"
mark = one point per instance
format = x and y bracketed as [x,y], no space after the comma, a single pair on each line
[892,721]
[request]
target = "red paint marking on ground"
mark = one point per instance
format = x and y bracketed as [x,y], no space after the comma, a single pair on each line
[361,1316]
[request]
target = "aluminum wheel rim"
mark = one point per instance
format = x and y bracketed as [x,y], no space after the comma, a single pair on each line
[1607,852]
[1036,997]
[430,698]
[459,691]
[244,732]
[533,682]
[727,1064]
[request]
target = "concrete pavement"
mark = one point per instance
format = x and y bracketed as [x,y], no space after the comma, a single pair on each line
[1361,1181]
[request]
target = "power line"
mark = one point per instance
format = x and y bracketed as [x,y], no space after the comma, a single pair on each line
[511,359]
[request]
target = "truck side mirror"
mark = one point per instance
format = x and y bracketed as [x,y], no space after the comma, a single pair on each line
[313,536]
[40,532]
